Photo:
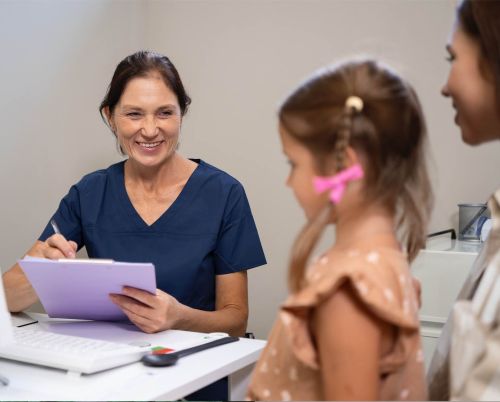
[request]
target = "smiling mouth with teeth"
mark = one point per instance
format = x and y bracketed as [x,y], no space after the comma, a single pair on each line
[149,144]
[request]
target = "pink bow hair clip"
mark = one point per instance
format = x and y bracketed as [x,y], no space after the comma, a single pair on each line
[338,182]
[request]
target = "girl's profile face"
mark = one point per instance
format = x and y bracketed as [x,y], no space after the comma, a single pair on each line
[302,172]
[147,120]
[472,94]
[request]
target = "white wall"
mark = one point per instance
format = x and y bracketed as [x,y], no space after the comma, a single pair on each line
[238,59]
[57,60]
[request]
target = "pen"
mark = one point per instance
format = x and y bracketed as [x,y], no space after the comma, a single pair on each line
[70,254]
[54,226]
[29,323]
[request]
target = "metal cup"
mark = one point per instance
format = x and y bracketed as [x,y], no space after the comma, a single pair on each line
[470,220]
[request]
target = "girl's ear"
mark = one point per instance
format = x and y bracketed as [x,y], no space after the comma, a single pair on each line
[351,157]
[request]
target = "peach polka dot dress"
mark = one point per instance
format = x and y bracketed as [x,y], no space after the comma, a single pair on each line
[289,367]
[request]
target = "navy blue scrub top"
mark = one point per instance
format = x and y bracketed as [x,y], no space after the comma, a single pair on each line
[209,230]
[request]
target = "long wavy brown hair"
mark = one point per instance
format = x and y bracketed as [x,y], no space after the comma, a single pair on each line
[480,20]
[389,132]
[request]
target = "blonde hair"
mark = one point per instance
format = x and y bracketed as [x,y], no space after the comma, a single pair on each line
[389,132]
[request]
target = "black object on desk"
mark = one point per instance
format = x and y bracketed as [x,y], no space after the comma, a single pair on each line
[170,359]
[452,231]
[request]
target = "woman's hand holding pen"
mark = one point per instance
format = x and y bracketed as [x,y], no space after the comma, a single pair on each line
[151,313]
[56,246]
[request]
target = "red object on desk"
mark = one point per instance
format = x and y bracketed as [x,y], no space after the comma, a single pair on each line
[160,350]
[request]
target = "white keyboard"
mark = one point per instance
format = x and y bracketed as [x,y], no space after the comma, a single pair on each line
[74,345]
[72,353]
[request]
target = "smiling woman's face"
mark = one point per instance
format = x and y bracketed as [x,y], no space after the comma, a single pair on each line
[147,120]
[472,94]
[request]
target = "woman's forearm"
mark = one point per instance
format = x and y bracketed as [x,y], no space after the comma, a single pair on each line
[18,291]
[230,319]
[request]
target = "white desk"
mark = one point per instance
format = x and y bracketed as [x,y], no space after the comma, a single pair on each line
[134,381]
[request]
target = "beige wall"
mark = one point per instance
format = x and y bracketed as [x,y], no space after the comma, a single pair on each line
[57,59]
[237,59]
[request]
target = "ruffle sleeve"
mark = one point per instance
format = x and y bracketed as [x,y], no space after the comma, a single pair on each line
[382,282]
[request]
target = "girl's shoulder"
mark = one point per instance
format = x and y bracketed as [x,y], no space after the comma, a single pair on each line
[379,276]
[381,266]
[361,257]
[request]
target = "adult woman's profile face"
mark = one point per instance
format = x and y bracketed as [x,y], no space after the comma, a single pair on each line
[471,92]
[147,120]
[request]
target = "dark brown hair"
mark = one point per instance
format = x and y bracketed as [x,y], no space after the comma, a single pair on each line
[480,19]
[390,134]
[142,64]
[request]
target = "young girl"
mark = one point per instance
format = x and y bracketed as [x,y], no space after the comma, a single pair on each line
[355,139]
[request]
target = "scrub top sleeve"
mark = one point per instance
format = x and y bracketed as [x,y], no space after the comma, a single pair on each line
[68,219]
[238,245]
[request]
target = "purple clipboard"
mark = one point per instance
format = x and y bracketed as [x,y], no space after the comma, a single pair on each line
[80,288]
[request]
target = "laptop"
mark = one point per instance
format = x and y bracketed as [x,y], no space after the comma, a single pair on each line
[72,353]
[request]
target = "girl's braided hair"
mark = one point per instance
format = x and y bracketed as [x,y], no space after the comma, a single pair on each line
[388,130]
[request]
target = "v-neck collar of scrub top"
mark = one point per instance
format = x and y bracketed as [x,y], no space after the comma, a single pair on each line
[182,199]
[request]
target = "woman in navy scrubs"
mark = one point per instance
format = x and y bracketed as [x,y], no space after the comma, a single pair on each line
[190,219]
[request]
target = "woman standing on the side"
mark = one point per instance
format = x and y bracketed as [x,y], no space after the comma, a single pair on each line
[474,86]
